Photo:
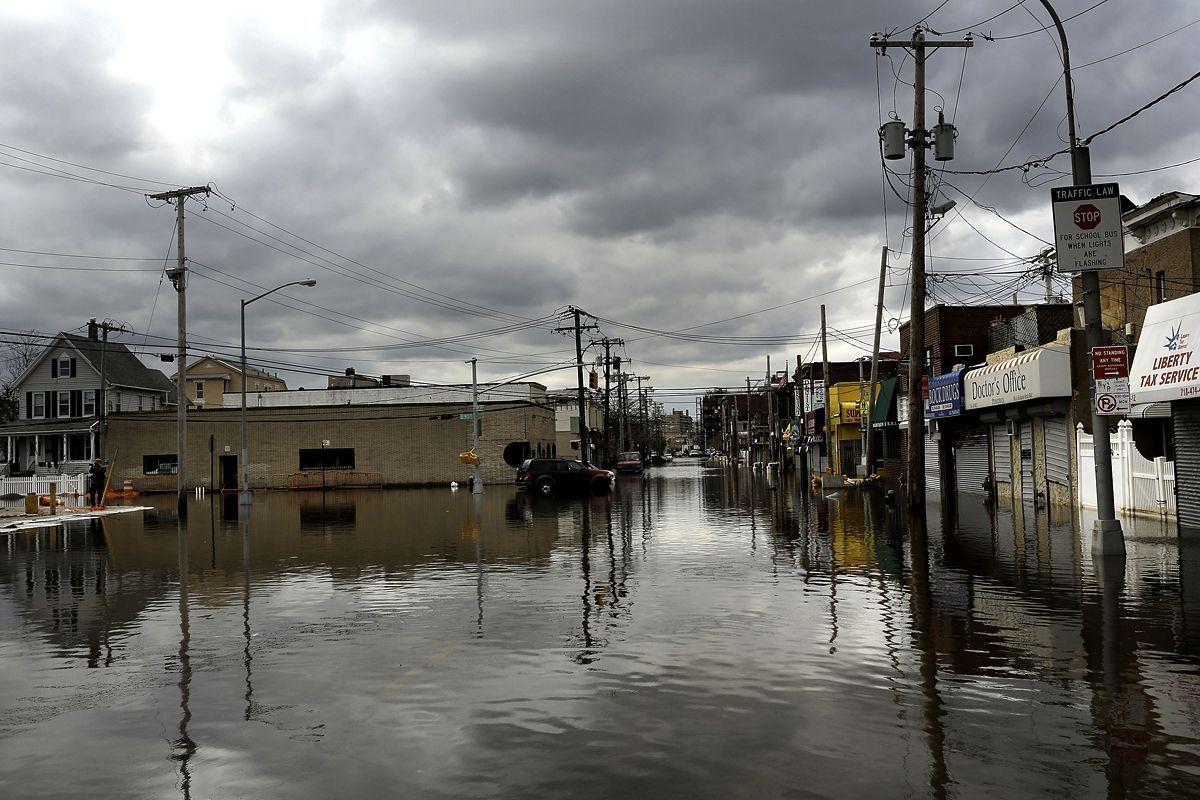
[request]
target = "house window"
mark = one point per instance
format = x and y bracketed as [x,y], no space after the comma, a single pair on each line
[117,400]
[1160,286]
[64,404]
[200,392]
[64,367]
[163,464]
[89,402]
[327,458]
[928,357]
[139,402]
[39,405]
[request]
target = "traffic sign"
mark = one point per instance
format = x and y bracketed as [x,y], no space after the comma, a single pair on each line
[1087,227]
[1112,396]
[1110,362]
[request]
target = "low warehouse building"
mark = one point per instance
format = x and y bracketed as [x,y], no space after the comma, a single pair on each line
[408,444]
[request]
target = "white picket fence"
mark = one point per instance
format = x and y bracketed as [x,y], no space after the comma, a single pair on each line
[40,484]
[1140,486]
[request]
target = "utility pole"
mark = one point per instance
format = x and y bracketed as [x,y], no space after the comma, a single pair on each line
[645,419]
[178,278]
[800,418]
[918,141]
[1107,537]
[875,359]
[621,433]
[825,391]
[103,329]
[770,414]
[608,343]
[749,428]
[579,328]
[477,484]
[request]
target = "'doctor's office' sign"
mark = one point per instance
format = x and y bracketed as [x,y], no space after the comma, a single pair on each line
[1045,372]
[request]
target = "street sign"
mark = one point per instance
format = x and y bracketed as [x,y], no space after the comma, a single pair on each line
[1112,396]
[1087,227]
[1110,362]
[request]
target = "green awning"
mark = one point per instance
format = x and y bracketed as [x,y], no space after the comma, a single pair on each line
[883,403]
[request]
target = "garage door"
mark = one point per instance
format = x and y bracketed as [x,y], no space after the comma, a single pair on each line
[1001,454]
[971,463]
[1058,452]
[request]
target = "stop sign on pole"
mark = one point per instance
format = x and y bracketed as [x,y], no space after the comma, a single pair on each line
[1087,227]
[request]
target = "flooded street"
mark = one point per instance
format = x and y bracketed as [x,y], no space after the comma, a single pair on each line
[688,636]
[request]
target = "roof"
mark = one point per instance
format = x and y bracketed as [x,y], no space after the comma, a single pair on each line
[33,426]
[121,367]
[1156,207]
[253,372]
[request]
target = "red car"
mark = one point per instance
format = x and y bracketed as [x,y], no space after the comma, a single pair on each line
[629,462]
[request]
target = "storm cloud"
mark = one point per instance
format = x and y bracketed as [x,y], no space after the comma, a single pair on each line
[460,167]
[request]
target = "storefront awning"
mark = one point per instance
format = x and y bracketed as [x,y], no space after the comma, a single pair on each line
[1166,365]
[945,395]
[883,402]
[1037,374]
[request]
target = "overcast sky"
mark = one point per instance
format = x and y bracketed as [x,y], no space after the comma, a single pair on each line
[658,163]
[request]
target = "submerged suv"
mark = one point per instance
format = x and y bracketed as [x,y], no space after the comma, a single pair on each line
[549,475]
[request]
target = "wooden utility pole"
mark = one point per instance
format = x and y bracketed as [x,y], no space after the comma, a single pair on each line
[579,328]
[825,391]
[178,278]
[749,428]
[103,329]
[802,434]
[875,360]
[918,141]
[608,343]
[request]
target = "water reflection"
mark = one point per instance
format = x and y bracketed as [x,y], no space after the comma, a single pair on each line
[691,634]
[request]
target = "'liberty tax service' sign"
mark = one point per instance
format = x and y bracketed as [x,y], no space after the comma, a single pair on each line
[1029,376]
[1166,365]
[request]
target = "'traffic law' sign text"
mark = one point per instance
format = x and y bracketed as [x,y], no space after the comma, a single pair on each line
[1087,227]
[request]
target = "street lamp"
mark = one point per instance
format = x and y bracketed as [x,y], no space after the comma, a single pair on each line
[245,494]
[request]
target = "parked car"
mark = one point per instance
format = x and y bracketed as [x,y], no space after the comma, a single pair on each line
[549,475]
[629,462]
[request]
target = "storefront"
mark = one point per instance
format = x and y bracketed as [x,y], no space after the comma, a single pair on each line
[961,439]
[1166,369]
[885,427]
[1023,410]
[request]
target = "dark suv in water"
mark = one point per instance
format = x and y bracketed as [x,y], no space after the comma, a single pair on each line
[549,475]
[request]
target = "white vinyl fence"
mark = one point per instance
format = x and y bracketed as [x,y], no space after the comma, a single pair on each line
[40,484]
[1140,486]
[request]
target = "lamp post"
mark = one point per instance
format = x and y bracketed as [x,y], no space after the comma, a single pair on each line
[245,494]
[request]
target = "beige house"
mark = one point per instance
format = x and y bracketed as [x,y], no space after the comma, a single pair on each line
[209,379]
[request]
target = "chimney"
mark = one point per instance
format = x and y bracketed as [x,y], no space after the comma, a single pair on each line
[93,330]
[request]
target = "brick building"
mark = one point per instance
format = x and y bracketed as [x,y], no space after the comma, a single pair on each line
[1162,262]
[305,446]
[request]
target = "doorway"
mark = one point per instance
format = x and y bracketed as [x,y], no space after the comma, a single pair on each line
[229,473]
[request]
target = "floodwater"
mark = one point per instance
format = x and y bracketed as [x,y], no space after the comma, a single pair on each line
[688,636]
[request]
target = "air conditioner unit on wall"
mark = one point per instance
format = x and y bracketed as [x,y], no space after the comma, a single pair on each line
[964,350]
